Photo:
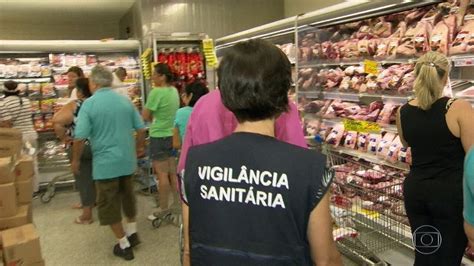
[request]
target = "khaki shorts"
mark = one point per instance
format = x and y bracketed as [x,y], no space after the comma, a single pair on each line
[113,195]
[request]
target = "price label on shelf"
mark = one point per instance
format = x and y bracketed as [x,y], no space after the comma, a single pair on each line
[361,126]
[371,67]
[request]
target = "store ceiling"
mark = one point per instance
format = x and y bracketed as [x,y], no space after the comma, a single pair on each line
[63,11]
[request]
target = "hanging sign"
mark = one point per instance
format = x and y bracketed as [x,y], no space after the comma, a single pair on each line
[371,67]
[146,63]
[209,52]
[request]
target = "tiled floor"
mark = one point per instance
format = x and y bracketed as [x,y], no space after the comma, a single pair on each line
[65,243]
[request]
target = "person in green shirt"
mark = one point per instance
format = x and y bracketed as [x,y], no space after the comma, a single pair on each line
[160,109]
[193,92]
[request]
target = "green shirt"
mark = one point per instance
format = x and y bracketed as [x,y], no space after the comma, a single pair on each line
[469,188]
[108,120]
[163,103]
[181,121]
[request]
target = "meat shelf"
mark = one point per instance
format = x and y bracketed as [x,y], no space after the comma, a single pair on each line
[369,158]
[334,121]
[354,97]
[27,80]
[333,63]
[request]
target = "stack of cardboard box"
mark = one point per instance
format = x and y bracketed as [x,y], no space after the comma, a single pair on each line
[19,241]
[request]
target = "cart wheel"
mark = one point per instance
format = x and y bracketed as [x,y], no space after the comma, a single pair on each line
[45,197]
[156,223]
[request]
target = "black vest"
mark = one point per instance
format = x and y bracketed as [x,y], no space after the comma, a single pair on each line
[250,197]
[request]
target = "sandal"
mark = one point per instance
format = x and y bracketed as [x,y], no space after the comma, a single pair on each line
[79,220]
[77,206]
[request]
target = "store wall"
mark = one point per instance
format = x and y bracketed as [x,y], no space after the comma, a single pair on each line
[295,7]
[217,18]
[38,30]
[130,26]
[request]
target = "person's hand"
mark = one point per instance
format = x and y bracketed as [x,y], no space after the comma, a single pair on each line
[141,152]
[75,167]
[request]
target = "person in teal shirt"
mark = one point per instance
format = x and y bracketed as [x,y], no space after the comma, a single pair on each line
[193,92]
[469,197]
[108,121]
[160,109]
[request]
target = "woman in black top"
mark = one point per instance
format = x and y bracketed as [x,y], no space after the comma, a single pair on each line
[439,130]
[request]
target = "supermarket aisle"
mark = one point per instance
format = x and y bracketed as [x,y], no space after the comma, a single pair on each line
[65,243]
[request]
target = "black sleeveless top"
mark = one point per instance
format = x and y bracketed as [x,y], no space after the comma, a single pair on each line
[250,197]
[436,152]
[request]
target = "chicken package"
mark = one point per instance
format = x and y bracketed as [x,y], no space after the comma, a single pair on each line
[345,84]
[333,77]
[464,41]
[334,138]
[350,140]
[384,145]
[404,155]
[367,48]
[374,140]
[362,142]
[393,150]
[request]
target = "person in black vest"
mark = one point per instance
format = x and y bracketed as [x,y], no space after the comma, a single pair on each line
[250,199]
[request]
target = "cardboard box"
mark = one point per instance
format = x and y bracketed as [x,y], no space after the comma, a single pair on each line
[22,217]
[10,148]
[24,191]
[7,170]
[8,200]
[11,134]
[24,168]
[21,246]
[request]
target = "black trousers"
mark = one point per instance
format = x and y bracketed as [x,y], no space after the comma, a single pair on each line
[434,208]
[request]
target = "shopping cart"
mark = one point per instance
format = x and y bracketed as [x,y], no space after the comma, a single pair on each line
[372,198]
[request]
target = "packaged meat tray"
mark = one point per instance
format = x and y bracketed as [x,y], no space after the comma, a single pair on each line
[469,92]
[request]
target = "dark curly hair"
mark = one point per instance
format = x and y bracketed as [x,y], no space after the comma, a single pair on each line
[254,79]
[198,89]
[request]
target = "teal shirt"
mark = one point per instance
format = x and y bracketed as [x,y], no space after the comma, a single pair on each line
[181,120]
[108,120]
[469,188]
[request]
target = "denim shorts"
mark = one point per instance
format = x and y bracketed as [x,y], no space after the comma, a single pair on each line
[161,148]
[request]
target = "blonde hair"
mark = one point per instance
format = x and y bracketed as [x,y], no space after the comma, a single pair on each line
[430,70]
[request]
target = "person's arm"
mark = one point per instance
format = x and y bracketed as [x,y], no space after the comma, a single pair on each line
[62,119]
[147,115]
[399,129]
[139,126]
[465,122]
[151,105]
[288,127]
[176,139]
[469,230]
[323,248]
[186,253]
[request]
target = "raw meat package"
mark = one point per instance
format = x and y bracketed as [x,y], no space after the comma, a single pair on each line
[345,232]
[464,41]
[404,155]
[384,145]
[362,142]
[324,130]
[386,113]
[393,150]
[374,140]
[442,35]
[350,140]
[334,138]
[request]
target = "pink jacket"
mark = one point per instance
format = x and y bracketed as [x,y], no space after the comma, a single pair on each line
[210,121]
